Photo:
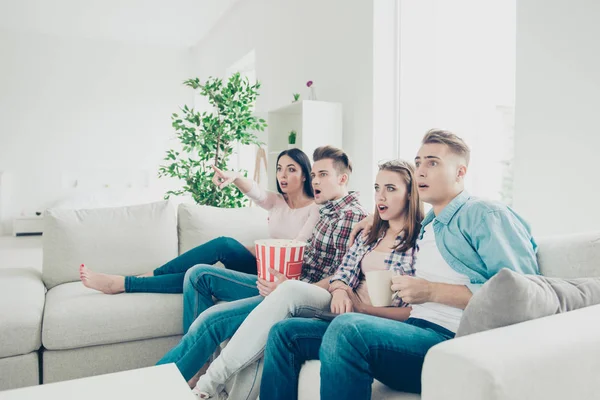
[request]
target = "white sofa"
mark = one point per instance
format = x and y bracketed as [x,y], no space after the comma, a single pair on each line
[21,309]
[82,332]
[72,331]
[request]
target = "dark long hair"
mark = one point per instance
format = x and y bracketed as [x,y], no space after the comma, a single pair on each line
[304,162]
[414,214]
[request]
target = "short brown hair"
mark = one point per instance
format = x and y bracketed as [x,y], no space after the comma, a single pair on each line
[456,144]
[341,162]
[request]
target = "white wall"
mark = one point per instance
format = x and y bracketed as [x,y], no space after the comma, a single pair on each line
[329,42]
[385,81]
[457,67]
[92,111]
[556,119]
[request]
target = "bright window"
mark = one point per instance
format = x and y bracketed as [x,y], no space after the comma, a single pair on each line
[457,72]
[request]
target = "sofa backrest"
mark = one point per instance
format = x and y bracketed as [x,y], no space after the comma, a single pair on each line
[570,256]
[122,240]
[199,224]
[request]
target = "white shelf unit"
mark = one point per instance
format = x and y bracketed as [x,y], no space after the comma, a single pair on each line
[28,226]
[316,123]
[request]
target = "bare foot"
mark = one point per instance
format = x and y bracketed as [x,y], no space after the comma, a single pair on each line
[192,382]
[108,284]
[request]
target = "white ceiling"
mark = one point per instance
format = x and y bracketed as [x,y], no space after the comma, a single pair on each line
[173,23]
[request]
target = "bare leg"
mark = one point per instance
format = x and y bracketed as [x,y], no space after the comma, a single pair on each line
[147,274]
[105,283]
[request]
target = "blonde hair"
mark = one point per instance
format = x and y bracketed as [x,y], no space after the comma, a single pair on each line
[455,143]
[414,213]
[341,162]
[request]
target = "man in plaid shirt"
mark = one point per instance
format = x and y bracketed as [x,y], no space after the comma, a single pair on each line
[330,239]
[325,250]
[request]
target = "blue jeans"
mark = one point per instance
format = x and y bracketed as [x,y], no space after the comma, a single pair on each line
[354,349]
[169,277]
[206,325]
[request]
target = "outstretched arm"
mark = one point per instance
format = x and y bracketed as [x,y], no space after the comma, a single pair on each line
[261,197]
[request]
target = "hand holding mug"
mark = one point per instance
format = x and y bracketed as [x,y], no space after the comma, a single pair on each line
[412,290]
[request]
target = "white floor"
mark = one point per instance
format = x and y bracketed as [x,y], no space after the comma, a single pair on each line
[21,252]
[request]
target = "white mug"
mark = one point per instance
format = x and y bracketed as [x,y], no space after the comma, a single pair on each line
[379,285]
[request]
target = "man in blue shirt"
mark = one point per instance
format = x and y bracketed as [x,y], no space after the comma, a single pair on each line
[464,241]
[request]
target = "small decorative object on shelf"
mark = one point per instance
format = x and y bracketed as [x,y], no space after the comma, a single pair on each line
[315,123]
[292,139]
[312,94]
[296,97]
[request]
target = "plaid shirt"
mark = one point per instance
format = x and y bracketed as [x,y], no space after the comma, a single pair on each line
[350,271]
[329,241]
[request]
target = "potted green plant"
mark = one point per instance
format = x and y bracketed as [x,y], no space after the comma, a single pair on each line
[292,139]
[208,139]
[296,97]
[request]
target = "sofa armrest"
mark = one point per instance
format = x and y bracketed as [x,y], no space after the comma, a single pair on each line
[556,357]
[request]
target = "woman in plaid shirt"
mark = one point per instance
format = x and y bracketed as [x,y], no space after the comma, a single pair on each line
[390,245]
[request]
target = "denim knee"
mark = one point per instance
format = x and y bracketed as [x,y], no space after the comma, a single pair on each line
[278,335]
[194,276]
[195,272]
[225,242]
[340,336]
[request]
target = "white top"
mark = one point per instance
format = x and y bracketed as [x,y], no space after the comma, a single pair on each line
[285,222]
[431,266]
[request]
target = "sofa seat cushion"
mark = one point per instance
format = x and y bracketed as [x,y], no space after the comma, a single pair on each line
[76,316]
[309,385]
[21,308]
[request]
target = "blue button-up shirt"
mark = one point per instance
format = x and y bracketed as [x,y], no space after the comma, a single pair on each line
[479,237]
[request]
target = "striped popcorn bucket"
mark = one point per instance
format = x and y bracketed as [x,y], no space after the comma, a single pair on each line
[285,256]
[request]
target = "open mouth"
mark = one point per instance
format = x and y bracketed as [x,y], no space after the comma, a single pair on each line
[381,208]
[283,184]
[317,192]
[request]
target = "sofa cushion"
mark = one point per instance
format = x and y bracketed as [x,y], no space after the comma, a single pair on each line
[62,365]
[309,384]
[199,224]
[21,307]
[510,298]
[19,371]
[570,256]
[76,316]
[124,240]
